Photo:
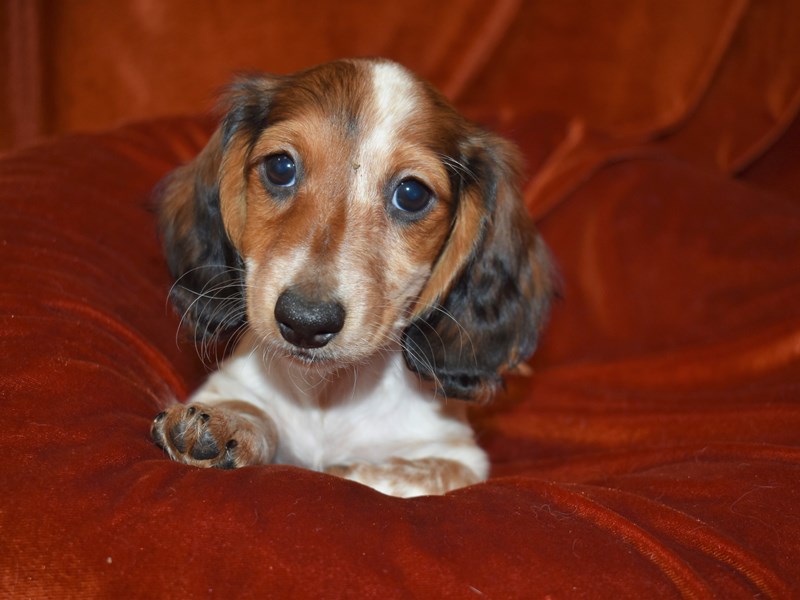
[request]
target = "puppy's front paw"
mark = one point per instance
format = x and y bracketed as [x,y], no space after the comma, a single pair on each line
[209,436]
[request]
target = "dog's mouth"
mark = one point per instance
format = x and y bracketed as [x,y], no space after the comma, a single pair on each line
[308,357]
[323,360]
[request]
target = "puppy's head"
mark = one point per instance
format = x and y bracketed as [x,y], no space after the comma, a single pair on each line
[347,208]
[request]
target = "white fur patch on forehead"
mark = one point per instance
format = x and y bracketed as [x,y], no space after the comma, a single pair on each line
[394,99]
[395,96]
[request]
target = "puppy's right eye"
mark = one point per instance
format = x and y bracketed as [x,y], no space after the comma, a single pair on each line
[280,170]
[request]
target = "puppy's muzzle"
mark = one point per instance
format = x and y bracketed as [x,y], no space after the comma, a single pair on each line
[308,322]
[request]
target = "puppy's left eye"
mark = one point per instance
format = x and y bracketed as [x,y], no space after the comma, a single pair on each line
[412,196]
[280,170]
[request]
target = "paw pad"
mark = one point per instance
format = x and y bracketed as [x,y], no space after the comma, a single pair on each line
[203,435]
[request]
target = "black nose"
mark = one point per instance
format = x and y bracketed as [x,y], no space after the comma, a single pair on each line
[308,323]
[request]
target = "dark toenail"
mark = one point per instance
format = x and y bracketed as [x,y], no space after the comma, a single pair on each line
[231,444]
[157,437]
[228,464]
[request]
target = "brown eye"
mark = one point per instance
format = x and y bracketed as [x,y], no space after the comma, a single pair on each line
[280,170]
[411,196]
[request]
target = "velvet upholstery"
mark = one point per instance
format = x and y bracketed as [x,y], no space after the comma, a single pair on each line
[655,449]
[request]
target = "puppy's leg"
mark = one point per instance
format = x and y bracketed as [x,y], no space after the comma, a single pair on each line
[225,434]
[406,478]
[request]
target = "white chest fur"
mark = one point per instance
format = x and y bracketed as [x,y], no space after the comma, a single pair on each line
[370,413]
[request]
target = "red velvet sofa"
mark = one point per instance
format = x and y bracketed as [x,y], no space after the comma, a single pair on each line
[653,453]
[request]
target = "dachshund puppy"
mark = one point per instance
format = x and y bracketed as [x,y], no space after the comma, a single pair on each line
[369,249]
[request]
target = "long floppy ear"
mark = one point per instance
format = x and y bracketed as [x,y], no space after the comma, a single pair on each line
[201,212]
[489,293]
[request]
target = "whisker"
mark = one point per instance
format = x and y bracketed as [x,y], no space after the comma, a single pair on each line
[462,331]
[419,356]
[222,296]
[461,169]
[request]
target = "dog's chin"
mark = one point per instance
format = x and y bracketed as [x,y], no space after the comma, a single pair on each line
[309,357]
[318,359]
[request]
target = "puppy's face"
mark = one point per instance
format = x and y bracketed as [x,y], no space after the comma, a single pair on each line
[345,208]
[349,207]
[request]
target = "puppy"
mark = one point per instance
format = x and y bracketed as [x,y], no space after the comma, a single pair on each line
[368,248]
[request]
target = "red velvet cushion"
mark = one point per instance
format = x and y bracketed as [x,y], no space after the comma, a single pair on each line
[654,453]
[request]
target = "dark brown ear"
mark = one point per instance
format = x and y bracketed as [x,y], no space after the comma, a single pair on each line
[200,211]
[490,291]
